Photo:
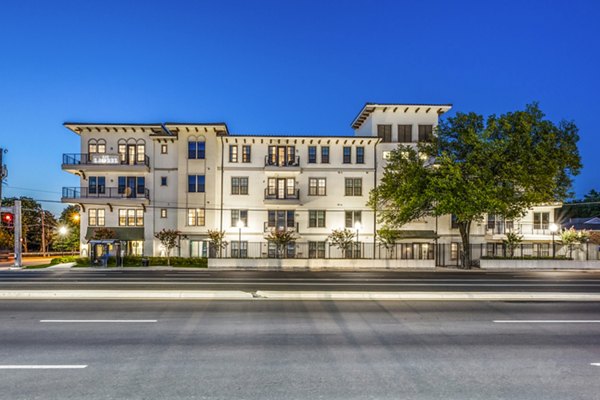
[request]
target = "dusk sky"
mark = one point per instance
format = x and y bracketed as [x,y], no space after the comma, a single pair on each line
[301,67]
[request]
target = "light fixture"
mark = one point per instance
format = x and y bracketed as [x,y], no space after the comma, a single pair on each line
[63,230]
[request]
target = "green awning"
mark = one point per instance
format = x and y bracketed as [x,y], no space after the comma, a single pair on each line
[414,234]
[122,233]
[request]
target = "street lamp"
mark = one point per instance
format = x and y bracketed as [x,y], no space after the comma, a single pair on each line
[240,225]
[75,217]
[553,229]
[358,227]
[63,230]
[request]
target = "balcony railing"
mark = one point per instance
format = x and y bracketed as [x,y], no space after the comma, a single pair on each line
[104,193]
[276,195]
[522,228]
[268,228]
[102,159]
[271,161]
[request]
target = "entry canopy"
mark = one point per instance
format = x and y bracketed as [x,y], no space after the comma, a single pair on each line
[122,234]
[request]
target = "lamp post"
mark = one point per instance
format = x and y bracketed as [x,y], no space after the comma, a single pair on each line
[357,226]
[553,229]
[240,225]
[63,230]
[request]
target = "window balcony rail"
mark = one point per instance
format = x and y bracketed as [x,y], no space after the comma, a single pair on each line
[102,159]
[286,195]
[271,161]
[521,228]
[104,193]
[279,227]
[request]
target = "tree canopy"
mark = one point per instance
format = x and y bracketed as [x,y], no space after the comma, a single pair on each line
[503,165]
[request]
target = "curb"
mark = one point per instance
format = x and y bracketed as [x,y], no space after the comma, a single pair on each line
[290,295]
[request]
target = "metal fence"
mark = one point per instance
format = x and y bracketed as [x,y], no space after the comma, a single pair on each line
[360,250]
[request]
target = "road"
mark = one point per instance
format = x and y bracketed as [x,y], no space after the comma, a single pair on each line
[299,350]
[251,281]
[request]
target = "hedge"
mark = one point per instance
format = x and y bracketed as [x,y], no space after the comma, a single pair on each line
[136,261]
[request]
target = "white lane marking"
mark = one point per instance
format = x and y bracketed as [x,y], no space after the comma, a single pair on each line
[549,321]
[595,364]
[42,366]
[101,320]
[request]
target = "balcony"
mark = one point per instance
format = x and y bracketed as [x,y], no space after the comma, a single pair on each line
[280,227]
[279,164]
[282,196]
[497,229]
[104,195]
[80,162]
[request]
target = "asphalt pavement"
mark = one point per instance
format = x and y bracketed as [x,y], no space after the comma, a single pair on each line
[299,350]
[253,281]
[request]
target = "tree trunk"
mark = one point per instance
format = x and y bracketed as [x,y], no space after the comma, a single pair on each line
[464,227]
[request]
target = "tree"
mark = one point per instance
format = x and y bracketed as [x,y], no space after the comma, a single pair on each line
[587,207]
[69,218]
[503,165]
[573,239]
[281,238]
[343,239]
[388,238]
[512,241]
[217,242]
[31,223]
[168,238]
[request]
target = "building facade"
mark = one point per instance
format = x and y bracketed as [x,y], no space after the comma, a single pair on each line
[137,179]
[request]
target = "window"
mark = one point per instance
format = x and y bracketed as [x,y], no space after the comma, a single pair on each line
[281,219]
[347,154]
[246,153]
[316,249]
[454,251]
[312,154]
[425,133]
[384,132]
[324,154]
[541,220]
[316,186]
[132,186]
[196,183]
[239,185]
[352,217]
[360,155]
[163,181]
[239,249]
[282,156]
[163,213]
[195,217]
[316,218]
[96,217]
[353,186]
[131,217]
[141,154]
[233,153]
[196,150]
[96,146]
[239,215]
[453,222]
[97,185]
[164,149]
[404,133]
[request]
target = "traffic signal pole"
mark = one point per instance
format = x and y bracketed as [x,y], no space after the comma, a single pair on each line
[17,234]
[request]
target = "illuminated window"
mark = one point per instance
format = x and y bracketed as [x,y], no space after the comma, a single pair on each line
[196,217]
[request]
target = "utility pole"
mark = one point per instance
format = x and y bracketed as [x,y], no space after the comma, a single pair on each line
[3,171]
[17,233]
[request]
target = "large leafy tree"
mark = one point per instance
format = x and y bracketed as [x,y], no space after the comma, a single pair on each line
[587,207]
[31,220]
[69,218]
[503,164]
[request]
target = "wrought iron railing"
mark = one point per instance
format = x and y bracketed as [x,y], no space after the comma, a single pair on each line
[102,159]
[104,193]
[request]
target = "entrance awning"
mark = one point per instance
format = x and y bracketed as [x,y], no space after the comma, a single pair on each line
[122,233]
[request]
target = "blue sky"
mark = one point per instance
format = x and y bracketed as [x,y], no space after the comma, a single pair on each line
[282,67]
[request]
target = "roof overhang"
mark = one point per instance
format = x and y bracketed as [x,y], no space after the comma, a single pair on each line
[81,127]
[369,108]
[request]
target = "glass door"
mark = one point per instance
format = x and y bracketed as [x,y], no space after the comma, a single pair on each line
[281,188]
[281,154]
[131,154]
[130,191]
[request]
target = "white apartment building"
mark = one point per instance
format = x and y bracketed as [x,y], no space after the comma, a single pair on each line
[137,179]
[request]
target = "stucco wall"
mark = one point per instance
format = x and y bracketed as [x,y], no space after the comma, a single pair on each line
[316,264]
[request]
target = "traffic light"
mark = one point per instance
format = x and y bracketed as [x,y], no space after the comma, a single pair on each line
[7,219]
